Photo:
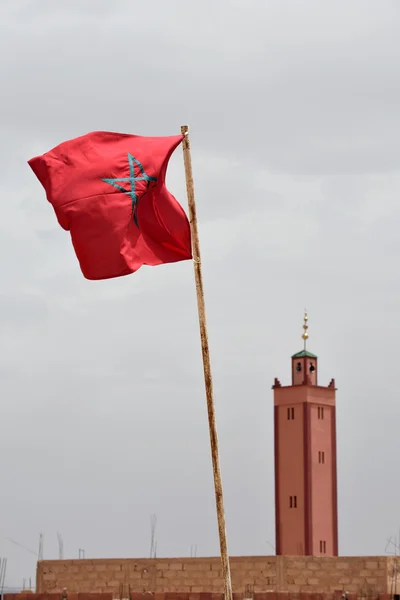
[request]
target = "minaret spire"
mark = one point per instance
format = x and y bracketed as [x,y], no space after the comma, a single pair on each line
[305,328]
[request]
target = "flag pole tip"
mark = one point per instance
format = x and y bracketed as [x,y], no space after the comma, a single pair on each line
[185,129]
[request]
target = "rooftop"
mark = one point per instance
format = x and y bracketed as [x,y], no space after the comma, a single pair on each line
[303,353]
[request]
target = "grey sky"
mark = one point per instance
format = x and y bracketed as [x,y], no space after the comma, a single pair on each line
[294,114]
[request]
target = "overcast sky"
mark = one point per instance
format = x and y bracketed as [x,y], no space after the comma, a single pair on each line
[294,115]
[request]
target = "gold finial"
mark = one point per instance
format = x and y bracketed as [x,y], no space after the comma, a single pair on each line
[305,327]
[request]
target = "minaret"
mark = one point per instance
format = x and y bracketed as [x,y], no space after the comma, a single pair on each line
[305,460]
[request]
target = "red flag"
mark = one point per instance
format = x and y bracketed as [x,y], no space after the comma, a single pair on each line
[108,190]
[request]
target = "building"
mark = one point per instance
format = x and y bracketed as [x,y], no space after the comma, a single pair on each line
[306,521]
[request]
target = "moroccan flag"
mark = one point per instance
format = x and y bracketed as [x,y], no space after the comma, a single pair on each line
[108,190]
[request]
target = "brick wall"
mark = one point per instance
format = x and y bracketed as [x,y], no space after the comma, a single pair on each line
[197,596]
[367,575]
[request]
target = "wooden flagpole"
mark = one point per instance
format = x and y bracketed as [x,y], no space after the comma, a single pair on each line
[206,365]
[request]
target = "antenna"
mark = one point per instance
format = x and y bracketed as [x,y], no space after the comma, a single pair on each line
[40,553]
[153,543]
[3,569]
[81,553]
[60,547]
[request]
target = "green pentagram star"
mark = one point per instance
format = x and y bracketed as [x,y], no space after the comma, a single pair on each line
[132,180]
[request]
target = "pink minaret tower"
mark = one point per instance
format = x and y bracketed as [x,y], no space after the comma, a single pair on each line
[305,460]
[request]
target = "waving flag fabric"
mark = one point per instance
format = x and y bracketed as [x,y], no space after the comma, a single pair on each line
[108,190]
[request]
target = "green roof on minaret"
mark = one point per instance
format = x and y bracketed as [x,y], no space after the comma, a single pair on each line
[303,353]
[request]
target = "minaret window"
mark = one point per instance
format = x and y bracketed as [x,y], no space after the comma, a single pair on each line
[298,367]
[320,412]
[312,368]
[290,414]
[293,501]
